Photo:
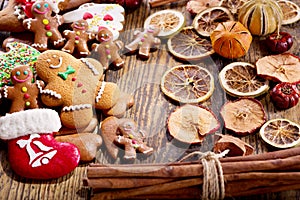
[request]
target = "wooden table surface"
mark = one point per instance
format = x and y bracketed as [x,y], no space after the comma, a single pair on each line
[142,79]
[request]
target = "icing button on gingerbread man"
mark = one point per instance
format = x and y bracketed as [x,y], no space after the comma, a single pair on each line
[108,49]
[44,26]
[23,93]
[77,38]
[144,42]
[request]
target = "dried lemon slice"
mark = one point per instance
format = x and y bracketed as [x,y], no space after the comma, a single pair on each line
[189,45]
[282,67]
[291,11]
[240,79]
[243,116]
[191,123]
[207,20]
[187,83]
[280,133]
[169,22]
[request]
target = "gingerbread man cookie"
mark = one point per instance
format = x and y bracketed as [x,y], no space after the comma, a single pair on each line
[108,49]
[124,133]
[144,42]
[23,93]
[44,26]
[78,38]
[76,86]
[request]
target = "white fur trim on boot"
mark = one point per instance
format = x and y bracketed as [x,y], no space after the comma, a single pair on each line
[27,122]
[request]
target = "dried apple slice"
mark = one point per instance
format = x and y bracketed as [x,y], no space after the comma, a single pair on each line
[191,123]
[196,6]
[280,133]
[279,68]
[236,146]
[232,5]
[169,21]
[240,79]
[291,11]
[187,83]
[207,20]
[190,46]
[243,116]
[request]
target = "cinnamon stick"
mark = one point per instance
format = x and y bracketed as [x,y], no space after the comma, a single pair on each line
[156,3]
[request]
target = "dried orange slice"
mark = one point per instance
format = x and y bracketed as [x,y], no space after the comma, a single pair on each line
[243,116]
[291,11]
[282,67]
[280,133]
[240,79]
[187,83]
[169,21]
[207,20]
[189,45]
[191,123]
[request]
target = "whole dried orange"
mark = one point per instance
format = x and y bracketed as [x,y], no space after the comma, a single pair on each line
[189,45]
[240,79]
[261,17]
[280,68]
[280,133]
[243,116]
[187,83]
[231,39]
[191,123]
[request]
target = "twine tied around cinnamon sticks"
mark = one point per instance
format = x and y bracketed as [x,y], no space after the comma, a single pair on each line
[213,186]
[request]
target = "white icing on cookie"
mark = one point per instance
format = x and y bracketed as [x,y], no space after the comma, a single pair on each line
[101,91]
[47,91]
[76,107]
[110,16]
[56,66]
[90,66]
[28,22]
[5,91]
[37,45]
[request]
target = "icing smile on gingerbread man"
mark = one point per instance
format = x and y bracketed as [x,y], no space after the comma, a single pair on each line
[60,61]
[21,77]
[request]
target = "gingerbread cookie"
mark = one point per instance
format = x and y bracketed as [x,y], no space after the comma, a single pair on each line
[110,16]
[44,26]
[108,50]
[78,38]
[18,54]
[75,85]
[124,133]
[144,42]
[23,93]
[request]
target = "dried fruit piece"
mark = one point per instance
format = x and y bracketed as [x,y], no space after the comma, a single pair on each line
[233,5]
[280,133]
[196,6]
[243,116]
[240,79]
[261,17]
[231,39]
[188,83]
[236,146]
[280,68]
[291,11]
[191,123]
[188,45]
[169,22]
[285,95]
[207,20]
[279,42]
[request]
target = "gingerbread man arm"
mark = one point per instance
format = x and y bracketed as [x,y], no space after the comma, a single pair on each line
[156,41]
[29,24]
[8,92]
[60,20]
[130,152]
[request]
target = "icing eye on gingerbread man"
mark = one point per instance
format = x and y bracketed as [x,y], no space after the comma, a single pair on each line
[104,35]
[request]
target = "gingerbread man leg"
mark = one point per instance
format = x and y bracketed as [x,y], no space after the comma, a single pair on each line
[69,47]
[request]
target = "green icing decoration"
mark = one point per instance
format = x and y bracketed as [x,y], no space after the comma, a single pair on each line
[64,75]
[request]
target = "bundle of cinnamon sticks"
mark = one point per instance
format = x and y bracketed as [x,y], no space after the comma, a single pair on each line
[244,176]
